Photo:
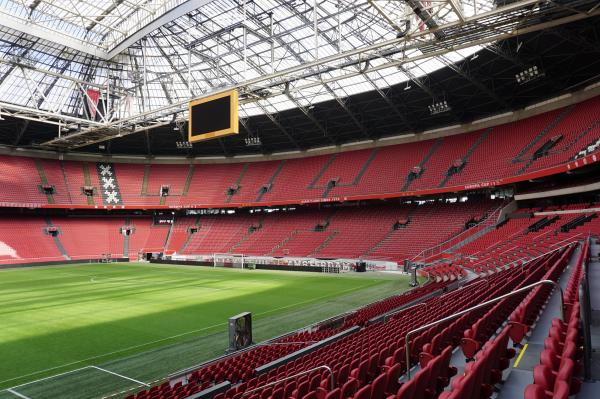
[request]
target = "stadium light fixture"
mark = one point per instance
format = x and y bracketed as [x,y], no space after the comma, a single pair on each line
[182,145]
[439,107]
[529,74]
[253,141]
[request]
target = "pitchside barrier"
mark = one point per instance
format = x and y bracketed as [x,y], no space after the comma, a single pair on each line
[289,263]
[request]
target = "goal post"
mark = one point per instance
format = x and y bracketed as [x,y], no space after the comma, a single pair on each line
[229,260]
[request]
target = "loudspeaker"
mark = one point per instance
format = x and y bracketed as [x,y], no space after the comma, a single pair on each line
[361,266]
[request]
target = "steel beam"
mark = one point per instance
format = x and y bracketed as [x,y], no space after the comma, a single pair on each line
[514,19]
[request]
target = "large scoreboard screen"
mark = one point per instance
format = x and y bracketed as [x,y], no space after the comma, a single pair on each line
[213,116]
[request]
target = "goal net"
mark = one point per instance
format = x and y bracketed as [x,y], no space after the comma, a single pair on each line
[229,260]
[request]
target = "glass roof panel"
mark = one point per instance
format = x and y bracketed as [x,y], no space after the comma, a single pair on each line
[222,43]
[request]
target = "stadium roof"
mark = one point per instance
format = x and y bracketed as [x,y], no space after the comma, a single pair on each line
[150,57]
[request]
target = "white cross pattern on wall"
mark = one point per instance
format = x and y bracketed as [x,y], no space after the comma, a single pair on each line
[108,181]
[105,170]
[111,196]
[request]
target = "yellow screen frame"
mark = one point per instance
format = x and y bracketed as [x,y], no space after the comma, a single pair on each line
[234,126]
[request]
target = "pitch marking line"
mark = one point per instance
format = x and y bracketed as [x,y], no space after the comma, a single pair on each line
[316,299]
[45,378]
[17,394]
[120,375]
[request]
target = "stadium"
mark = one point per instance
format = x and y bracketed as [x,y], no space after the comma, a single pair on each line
[325,199]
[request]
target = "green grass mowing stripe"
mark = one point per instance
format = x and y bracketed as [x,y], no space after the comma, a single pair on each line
[247,278]
[157,363]
[152,343]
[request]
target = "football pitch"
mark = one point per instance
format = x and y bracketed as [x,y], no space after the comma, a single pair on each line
[91,330]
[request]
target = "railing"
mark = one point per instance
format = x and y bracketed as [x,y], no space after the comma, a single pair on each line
[586,310]
[310,327]
[438,249]
[481,305]
[331,379]
[536,240]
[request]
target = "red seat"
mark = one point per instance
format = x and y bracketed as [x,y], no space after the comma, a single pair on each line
[349,388]
[363,393]
[334,394]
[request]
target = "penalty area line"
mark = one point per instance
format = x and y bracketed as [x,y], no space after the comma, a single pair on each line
[120,375]
[17,394]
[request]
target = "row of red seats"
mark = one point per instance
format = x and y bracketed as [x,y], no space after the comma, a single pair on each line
[560,361]
[367,364]
[501,152]
[240,367]
[431,380]
[485,371]
[355,232]
[513,244]
[365,355]
[526,306]
[443,272]
[343,235]
[363,315]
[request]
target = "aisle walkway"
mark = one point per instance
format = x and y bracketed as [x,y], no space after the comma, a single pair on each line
[522,375]
[590,389]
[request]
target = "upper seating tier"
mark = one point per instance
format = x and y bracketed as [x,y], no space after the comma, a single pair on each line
[451,163]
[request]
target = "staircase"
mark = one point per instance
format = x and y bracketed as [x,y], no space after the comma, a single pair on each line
[186,242]
[189,237]
[145,180]
[324,243]
[358,176]
[330,186]
[44,180]
[378,244]
[271,180]
[241,241]
[542,223]
[364,168]
[582,134]
[238,181]
[476,144]
[546,130]
[126,241]
[423,162]
[57,242]
[188,179]
[88,182]
[322,171]
[168,237]
[64,173]
[282,243]
[578,221]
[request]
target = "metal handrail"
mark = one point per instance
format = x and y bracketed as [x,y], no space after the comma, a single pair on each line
[481,305]
[527,261]
[484,223]
[331,379]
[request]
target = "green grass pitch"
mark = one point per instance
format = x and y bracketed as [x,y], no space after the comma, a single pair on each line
[146,320]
